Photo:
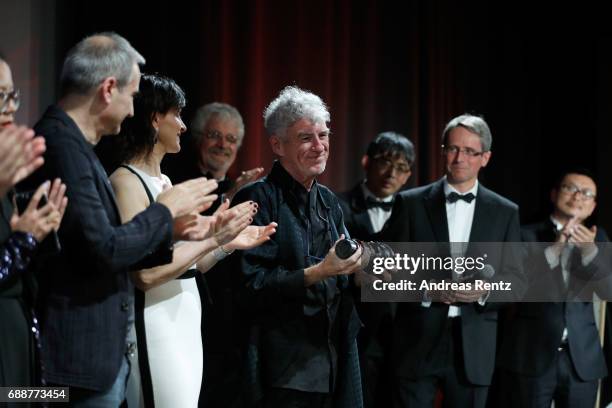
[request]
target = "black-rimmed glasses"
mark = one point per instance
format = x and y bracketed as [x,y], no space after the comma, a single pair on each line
[385,164]
[468,151]
[217,136]
[572,189]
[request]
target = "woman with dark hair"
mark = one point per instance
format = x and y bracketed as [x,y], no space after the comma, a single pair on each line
[168,307]
[20,236]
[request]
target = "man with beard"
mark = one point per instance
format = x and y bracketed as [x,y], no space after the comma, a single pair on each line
[366,208]
[217,132]
[303,324]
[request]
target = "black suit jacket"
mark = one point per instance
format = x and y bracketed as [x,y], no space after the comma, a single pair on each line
[85,291]
[375,316]
[355,211]
[535,329]
[419,215]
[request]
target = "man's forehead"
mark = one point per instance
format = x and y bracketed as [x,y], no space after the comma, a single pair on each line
[579,180]
[466,135]
[312,128]
[393,156]
[216,122]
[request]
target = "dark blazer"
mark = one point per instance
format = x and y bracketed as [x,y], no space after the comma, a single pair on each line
[355,211]
[419,215]
[288,324]
[372,314]
[85,291]
[534,330]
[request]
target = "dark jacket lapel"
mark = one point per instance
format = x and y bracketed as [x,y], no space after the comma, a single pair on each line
[360,209]
[483,215]
[435,206]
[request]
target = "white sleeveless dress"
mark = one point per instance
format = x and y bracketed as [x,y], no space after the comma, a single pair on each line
[172,316]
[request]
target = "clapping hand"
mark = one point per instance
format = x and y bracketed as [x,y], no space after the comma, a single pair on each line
[41,221]
[245,178]
[252,236]
[20,154]
[232,221]
[576,233]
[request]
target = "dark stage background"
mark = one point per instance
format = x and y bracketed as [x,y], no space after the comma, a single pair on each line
[542,77]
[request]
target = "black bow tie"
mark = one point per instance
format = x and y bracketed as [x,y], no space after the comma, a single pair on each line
[453,197]
[372,203]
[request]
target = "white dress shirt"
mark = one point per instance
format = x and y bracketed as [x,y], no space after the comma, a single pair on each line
[460,216]
[378,216]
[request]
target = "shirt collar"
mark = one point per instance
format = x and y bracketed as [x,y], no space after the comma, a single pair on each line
[450,189]
[556,223]
[368,194]
[285,180]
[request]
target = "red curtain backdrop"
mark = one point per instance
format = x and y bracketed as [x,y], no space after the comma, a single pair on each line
[541,78]
[375,72]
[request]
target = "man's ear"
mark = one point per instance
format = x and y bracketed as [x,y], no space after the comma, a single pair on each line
[365,162]
[553,195]
[106,89]
[486,156]
[277,145]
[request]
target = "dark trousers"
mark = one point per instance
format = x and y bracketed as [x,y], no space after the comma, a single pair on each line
[559,383]
[449,376]
[222,383]
[286,398]
[375,381]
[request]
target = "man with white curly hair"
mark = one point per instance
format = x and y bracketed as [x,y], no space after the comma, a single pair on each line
[302,349]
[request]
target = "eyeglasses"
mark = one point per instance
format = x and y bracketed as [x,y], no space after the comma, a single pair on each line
[6,96]
[217,136]
[453,150]
[386,164]
[571,189]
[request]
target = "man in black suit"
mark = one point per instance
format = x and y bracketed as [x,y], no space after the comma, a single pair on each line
[447,338]
[551,350]
[86,296]
[366,208]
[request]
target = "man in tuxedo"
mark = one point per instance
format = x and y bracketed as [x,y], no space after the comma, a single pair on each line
[86,296]
[551,351]
[366,208]
[447,339]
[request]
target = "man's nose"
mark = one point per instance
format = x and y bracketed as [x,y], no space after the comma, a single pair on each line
[317,145]
[10,107]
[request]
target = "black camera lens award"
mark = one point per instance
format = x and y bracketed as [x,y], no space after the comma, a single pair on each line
[346,247]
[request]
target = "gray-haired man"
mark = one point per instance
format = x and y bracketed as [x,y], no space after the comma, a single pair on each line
[450,342]
[302,323]
[218,131]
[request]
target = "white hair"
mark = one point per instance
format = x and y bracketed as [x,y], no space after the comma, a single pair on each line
[291,105]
